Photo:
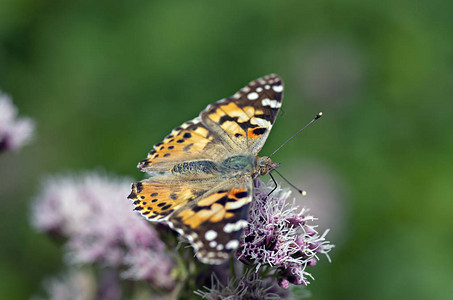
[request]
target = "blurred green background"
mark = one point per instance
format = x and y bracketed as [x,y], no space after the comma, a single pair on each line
[105,80]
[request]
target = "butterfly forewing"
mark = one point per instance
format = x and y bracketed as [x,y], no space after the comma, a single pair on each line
[246,118]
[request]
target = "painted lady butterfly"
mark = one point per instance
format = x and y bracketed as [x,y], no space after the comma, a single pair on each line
[202,173]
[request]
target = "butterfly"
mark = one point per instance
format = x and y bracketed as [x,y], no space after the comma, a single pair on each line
[201,175]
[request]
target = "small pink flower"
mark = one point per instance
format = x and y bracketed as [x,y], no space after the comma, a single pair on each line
[14,132]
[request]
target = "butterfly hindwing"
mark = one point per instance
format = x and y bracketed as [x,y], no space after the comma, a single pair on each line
[211,214]
[213,224]
[158,197]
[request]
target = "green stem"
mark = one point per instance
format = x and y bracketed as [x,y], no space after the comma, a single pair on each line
[232,268]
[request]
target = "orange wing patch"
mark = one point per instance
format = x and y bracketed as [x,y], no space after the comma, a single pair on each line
[234,111]
[233,119]
[233,129]
[237,198]
[207,209]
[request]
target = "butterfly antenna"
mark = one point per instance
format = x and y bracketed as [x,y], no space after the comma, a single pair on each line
[302,192]
[314,119]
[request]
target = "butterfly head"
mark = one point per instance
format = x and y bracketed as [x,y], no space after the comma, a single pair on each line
[265,165]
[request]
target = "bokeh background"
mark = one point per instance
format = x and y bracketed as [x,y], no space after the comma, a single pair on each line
[105,80]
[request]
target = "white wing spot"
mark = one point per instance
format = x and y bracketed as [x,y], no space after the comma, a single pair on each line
[271,103]
[278,88]
[252,96]
[233,244]
[210,235]
[259,89]
[230,227]
[213,244]
[267,86]
[259,122]
[219,247]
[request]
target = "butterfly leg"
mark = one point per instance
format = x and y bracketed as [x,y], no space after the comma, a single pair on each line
[275,182]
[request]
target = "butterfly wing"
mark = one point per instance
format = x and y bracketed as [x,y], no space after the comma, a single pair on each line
[210,213]
[246,118]
[159,196]
[214,223]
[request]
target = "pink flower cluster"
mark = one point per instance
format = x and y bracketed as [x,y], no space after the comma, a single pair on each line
[281,236]
[248,286]
[93,214]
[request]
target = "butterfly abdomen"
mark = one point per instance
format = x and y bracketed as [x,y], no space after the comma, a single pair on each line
[198,167]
